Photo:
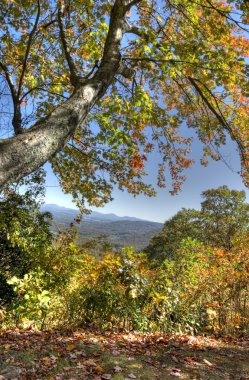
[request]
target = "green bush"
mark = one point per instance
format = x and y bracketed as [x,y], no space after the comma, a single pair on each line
[201,290]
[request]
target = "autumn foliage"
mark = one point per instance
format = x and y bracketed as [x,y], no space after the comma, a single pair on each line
[111,82]
[202,290]
[202,287]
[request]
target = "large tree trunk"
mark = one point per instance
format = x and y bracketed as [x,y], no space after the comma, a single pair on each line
[22,154]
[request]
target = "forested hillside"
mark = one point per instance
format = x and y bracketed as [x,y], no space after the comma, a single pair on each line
[117,231]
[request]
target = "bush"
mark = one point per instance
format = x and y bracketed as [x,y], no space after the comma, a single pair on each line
[202,290]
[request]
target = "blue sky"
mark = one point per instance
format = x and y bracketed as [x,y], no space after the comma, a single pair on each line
[164,205]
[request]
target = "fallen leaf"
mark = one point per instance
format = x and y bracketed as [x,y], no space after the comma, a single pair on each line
[80,365]
[106,376]
[117,368]
[98,369]
[115,353]
[132,376]
[80,353]
[162,339]
[175,372]
[46,360]
[53,358]
[72,355]
[89,363]
[188,359]
[207,362]
[70,347]
[173,357]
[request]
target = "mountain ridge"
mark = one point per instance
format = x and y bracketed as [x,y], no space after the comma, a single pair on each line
[92,215]
[119,231]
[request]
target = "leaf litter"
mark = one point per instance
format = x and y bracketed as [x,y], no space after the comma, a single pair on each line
[92,355]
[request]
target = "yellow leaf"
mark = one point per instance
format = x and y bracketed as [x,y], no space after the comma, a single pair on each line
[46,360]
[70,347]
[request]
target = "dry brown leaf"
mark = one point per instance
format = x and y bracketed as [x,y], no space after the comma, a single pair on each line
[132,376]
[96,354]
[173,357]
[89,363]
[188,359]
[66,369]
[98,369]
[117,369]
[106,376]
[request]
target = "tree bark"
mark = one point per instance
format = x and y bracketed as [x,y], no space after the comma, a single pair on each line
[22,154]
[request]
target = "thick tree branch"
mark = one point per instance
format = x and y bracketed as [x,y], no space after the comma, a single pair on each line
[25,60]
[137,31]
[130,4]
[126,71]
[142,34]
[222,121]
[111,59]
[9,80]
[17,118]
[174,61]
[74,77]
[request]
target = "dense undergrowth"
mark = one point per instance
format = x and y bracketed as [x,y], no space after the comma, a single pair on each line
[202,290]
[51,282]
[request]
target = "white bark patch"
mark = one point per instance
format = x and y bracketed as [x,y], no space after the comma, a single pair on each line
[88,93]
[119,34]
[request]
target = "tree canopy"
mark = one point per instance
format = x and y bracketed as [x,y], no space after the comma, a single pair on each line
[224,215]
[223,218]
[96,86]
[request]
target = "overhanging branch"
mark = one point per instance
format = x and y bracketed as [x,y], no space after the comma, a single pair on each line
[17,119]
[25,60]
[222,121]
[74,77]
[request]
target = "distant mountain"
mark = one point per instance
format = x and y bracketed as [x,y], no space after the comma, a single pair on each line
[96,216]
[120,231]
